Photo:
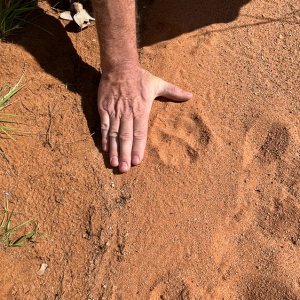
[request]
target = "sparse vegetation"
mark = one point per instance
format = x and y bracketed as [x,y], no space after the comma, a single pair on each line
[9,236]
[13,14]
[7,120]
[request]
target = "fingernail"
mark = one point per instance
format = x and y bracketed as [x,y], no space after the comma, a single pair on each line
[114,161]
[123,167]
[135,160]
[104,148]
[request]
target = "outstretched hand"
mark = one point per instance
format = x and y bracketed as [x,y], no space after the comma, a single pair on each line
[125,98]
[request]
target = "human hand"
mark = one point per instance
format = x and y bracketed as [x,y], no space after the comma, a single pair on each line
[125,98]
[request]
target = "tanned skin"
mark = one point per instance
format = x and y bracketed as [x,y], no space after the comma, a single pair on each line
[126,91]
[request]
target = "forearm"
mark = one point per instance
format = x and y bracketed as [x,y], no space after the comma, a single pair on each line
[126,91]
[116,26]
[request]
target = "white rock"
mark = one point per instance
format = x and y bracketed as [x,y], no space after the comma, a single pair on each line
[42,269]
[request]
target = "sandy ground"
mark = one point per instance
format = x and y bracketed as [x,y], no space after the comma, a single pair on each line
[213,212]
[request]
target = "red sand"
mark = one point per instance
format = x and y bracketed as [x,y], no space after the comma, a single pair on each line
[214,210]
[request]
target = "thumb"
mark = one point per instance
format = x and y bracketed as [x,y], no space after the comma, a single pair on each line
[174,92]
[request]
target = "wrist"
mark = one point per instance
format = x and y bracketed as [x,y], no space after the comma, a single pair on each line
[119,66]
[111,60]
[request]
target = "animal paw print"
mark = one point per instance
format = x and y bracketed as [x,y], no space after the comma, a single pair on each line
[272,178]
[180,139]
[280,220]
[275,144]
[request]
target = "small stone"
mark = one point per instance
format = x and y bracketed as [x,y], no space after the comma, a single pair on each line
[42,269]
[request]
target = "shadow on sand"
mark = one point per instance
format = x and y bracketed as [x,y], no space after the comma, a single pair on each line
[162,20]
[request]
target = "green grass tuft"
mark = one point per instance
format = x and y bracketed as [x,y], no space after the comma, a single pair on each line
[13,14]
[9,236]
[7,120]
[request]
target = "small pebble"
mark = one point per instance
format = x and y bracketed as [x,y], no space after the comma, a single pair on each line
[42,269]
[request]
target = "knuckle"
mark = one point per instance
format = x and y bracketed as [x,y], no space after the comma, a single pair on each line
[125,136]
[101,107]
[139,134]
[172,89]
[139,111]
[126,115]
[104,126]
[113,133]
[112,114]
[103,103]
